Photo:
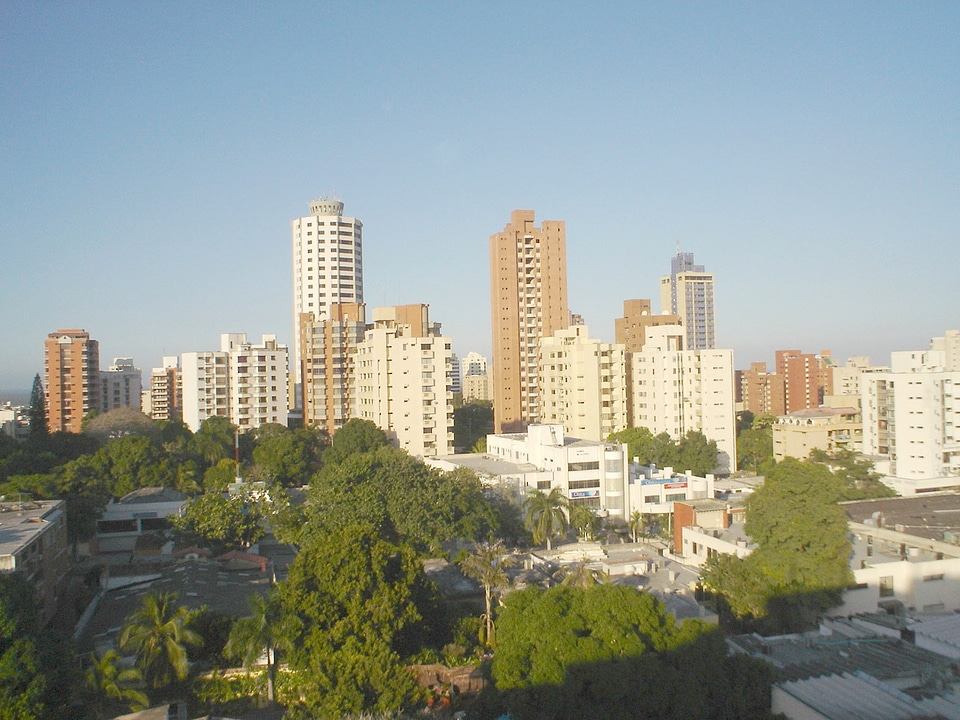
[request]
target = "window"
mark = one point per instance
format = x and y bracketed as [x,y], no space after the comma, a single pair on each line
[886,586]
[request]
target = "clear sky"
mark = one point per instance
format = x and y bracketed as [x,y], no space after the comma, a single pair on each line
[153,154]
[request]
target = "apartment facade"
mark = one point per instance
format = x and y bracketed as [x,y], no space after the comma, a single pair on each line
[760,392]
[327,264]
[475,378]
[120,385]
[528,290]
[676,391]
[807,378]
[243,382]
[911,415]
[328,350]
[71,369]
[582,384]
[166,390]
[825,428]
[402,380]
[687,292]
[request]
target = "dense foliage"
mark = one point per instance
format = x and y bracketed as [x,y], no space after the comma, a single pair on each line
[800,567]
[613,652]
[692,452]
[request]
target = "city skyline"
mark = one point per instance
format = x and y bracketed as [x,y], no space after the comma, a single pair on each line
[155,156]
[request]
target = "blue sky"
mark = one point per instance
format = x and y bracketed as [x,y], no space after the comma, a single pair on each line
[152,156]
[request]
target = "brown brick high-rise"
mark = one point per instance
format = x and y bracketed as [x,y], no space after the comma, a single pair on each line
[71,368]
[528,291]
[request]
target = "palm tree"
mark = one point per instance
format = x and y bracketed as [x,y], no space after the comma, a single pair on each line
[580,575]
[544,515]
[267,630]
[159,634]
[111,684]
[637,525]
[583,519]
[488,564]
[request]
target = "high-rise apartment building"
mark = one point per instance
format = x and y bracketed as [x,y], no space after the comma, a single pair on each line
[120,385]
[243,382]
[676,391]
[528,290]
[688,293]
[327,264]
[806,378]
[911,415]
[71,369]
[760,392]
[475,378]
[630,330]
[166,391]
[582,384]
[402,380]
[328,350]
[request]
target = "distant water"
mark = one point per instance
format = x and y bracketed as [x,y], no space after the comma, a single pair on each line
[15,397]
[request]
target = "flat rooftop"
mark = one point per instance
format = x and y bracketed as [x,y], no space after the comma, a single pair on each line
[927,516]
[21,522]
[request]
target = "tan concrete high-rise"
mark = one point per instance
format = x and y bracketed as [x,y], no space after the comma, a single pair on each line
[71,368]
[328,349]
[528,291]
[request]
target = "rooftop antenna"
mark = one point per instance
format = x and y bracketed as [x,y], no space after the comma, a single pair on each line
[678,246]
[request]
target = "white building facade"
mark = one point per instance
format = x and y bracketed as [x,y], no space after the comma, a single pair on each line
[402,380]
[676,391]
[589,473]
[911,415]
[327,263]
[582,384]
[243,382]
[120,386]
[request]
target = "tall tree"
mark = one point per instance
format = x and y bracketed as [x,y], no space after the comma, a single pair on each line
[214,440]
[355,437]
[24,682]
[234,522]
[488,564]
[37,414]
[544,515]
[356,597]
[583,519]
[159,633]
[267,631]
[800,567]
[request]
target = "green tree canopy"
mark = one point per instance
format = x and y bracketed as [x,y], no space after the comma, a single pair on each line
[391,489]
[120,422]
[355,597]
[215,440]
[800,567]
[354,438]
[231,522]
[696,454]
[291,457]
[471,422]
[24,681]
